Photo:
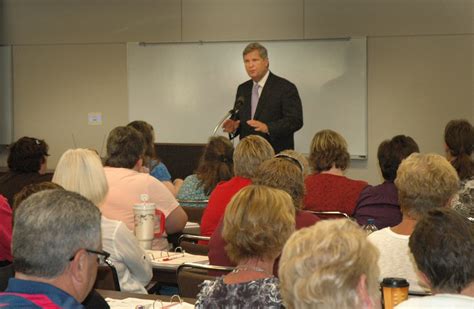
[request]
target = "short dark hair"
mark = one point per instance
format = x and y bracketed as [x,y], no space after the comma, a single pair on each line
[147,131]
[216,163]
[125,146]
[391,153]
[443,247]
[459,137]
[27,154]
[31,189]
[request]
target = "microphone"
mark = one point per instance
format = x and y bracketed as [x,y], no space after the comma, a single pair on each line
[238,104]
[233,113]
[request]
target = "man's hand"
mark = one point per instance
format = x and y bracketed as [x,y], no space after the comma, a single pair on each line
[230,125]
[258,126]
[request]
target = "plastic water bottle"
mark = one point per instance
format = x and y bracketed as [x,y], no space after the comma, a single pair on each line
[370,226]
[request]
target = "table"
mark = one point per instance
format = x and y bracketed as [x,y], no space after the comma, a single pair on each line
[123,295]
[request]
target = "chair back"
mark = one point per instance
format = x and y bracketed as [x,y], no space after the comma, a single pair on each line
[324,215]
[107,278]
[194,213]
[191,275]
[6,272]
[188,243]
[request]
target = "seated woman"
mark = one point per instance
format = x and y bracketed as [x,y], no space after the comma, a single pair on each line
[327,189]
[424,182]
[81,171]
[214,166]
[283,172]
[152,164]
[27,164]
[459,144]
[253,244]
[381,202]
[330,265]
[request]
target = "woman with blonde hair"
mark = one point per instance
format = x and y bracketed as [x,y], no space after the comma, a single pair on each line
[253,245]
[81,171]
[330,265]
[327,189]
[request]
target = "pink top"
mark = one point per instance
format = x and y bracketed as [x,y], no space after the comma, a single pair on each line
[125,187]
[5,230]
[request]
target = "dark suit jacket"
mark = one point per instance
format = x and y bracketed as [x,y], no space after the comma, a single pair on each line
[279,107]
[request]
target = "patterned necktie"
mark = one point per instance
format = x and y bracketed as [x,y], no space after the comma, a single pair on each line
[254,101]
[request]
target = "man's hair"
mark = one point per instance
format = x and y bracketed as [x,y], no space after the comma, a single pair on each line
[31,189]
[443,247]
[80,170]
[327,148]
[262,51]
[249,154]
[148,134]
[425,181]
[49,228]
[459,137]
[246,223]
[125,146]
[321,266]
[391,153]
[27,154]
[215,164]
[283,174]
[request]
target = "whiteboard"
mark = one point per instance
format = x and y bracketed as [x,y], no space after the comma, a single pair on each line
[184,89]
[6,109]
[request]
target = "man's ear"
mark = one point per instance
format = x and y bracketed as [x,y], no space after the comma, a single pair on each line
[78,266]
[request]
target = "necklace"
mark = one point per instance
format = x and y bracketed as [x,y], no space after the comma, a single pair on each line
[250,268]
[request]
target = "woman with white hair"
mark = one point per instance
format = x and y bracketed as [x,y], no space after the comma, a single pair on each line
[81,171]
[330,265]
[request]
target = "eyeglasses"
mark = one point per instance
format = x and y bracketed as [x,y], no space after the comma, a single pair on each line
[102,256]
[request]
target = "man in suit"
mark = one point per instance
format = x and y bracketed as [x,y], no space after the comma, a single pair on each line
[272,106]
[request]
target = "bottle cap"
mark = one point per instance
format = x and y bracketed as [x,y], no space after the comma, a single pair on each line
[394,282]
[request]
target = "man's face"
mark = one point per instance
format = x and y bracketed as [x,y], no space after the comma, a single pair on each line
[255,65]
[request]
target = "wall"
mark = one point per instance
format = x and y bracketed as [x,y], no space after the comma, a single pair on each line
[69,58]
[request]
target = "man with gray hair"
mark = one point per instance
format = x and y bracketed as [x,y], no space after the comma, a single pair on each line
[56,247]
[271,105]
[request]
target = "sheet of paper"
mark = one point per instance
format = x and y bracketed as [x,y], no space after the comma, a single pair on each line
[128,303]
[172,260]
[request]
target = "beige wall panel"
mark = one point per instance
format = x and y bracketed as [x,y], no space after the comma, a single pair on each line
[233,20]
[340,18]
[90,21]
[415,86]
[55,87]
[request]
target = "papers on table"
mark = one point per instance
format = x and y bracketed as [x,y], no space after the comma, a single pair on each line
[128,303]
[190,225]
[172,260]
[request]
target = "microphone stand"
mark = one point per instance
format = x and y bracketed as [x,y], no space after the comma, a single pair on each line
[229,113]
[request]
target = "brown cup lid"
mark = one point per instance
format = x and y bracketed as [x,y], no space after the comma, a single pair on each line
[394,282]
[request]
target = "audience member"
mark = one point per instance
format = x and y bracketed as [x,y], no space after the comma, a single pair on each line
[443,247]
[248,155]
[301,159]
[5,232]
[424,182]
[56,247]
[125,150]
[151,163]
[253,245]
[381,202]
[327,189]
[81,171]
[282,172]
[330,265]
[459,144]
[26,164]
[215,165]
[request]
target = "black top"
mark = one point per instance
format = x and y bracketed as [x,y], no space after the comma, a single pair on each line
[12,182]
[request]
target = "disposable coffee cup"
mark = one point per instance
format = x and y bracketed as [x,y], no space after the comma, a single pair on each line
[394,291]
[144,219]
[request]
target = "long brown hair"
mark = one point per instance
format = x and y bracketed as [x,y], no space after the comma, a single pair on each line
[216,163]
